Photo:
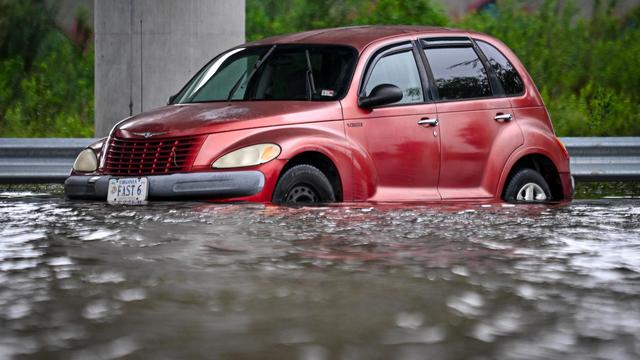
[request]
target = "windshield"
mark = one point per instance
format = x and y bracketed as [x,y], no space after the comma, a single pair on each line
[283,72]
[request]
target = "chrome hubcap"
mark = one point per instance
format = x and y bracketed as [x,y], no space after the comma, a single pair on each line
[531,192]
[302,194]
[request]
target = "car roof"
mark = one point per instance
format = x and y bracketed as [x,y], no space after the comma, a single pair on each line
[358,37]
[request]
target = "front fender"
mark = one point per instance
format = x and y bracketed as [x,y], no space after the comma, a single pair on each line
[326,138]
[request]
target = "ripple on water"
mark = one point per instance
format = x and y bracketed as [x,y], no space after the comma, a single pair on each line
[100,310]
[132,295]
[468,304]
[105,277]
[98,235]
[115,349]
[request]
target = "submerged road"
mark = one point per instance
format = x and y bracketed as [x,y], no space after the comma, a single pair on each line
[85,280]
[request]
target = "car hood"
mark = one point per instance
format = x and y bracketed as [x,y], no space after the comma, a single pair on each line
[207,118]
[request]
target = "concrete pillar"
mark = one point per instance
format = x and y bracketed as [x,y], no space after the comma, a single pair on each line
[146,50]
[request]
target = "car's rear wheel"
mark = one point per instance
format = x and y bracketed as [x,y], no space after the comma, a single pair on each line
[527,186]
[303,184]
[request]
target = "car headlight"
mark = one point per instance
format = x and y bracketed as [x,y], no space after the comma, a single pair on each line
[248,156]
[87,161]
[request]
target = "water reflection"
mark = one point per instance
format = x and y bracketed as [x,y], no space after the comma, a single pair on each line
[194,280]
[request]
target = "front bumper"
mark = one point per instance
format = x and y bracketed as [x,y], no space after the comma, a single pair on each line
[228,184]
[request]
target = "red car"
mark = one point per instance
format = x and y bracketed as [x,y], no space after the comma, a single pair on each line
[367,113]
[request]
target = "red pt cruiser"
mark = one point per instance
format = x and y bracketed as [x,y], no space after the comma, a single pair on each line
[369,113]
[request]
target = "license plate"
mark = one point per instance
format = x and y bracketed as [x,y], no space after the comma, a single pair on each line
[129,191]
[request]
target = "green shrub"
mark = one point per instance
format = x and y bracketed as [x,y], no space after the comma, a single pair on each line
[46,81]
[56,95]
[274,17]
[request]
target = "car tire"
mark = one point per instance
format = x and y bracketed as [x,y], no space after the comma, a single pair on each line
[527,186]
[303,184]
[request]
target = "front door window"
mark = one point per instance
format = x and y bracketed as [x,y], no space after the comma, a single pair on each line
[398,69]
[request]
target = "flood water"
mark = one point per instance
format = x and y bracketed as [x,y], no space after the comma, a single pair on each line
[85,280]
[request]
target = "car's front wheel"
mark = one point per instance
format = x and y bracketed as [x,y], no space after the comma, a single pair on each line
[527,186]
[303,184]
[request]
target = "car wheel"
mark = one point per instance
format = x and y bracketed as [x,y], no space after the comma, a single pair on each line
[527,185]
[303,184]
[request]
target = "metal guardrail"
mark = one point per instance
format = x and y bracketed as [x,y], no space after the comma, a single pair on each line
[24,161]
[604,158]
[38,161]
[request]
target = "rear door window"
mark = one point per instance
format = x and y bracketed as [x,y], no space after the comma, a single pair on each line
[458,73]
[506,73]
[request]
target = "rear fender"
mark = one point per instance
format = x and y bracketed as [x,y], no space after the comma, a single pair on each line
[543,144]
[504,145]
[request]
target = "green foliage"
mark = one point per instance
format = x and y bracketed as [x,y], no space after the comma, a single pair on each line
[397,12]
[46,81]
[599,190]
[23,25]
[274,17]
[587,70]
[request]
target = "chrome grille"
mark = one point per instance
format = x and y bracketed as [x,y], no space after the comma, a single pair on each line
[151,157]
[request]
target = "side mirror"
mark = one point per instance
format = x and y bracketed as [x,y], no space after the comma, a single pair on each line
[171,98]
[383,94]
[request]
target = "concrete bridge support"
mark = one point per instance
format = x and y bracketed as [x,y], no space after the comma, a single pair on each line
[146,50]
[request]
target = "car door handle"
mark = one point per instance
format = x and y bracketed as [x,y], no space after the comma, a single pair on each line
[503,117]
[427,121]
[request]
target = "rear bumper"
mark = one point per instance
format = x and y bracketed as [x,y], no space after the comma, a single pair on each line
[228,184]
[568,185]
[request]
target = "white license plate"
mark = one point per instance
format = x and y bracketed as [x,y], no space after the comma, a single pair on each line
[129,191]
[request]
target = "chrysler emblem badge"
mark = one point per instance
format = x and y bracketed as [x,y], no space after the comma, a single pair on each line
[148,134]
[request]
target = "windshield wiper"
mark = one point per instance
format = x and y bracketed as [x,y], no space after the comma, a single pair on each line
[311,86]
[255,68]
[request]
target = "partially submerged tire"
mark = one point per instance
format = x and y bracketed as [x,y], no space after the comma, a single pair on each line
[303,184]
[527,186]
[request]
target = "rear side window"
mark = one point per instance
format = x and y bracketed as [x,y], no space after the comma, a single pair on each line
[458,73]
[398,69]
[507,74]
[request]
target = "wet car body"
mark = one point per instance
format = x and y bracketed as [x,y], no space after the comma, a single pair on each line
[431,147]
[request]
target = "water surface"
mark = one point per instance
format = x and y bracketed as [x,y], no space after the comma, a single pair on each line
[85,280]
